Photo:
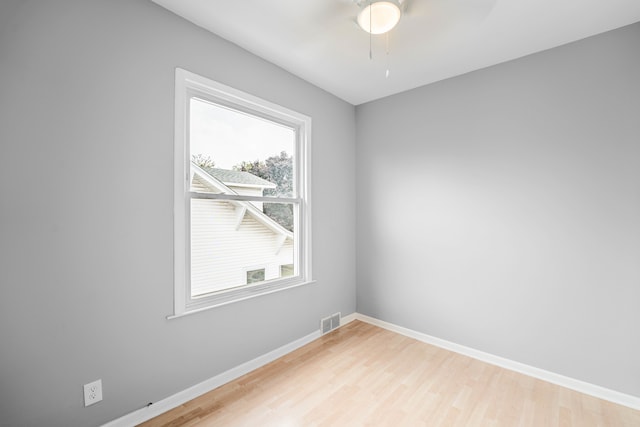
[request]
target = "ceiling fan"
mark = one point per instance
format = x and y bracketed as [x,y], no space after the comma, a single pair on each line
[379,16]
[384,15]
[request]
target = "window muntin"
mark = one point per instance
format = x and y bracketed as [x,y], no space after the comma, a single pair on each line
[234,208]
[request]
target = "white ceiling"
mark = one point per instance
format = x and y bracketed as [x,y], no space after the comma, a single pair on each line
[319,41]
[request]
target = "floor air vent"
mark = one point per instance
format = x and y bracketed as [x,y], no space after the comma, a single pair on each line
[328,324]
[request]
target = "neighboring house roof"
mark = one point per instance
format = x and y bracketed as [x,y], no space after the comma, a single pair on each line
[246,207]
[238,178]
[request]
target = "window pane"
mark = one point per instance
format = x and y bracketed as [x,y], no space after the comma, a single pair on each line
[230,239]
[254,276]
[240,153]
[286,270]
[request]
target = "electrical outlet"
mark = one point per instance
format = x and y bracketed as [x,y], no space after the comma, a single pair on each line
[92,392]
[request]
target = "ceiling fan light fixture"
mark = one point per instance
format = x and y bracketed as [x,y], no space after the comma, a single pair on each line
[379,17]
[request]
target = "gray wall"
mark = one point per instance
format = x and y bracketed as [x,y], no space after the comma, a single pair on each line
[500,209]
[86,249]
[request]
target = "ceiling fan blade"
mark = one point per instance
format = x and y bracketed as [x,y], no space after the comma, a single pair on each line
[405,6]
[449,12]
[477,8]
[334,10]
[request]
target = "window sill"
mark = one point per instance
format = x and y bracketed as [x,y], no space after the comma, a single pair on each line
[242,297]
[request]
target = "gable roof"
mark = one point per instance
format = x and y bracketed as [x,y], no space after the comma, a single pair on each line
[249,208]
[238,178]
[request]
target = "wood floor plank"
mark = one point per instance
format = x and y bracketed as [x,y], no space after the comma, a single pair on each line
[362,375]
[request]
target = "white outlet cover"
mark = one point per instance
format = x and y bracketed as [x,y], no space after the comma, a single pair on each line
[92,392]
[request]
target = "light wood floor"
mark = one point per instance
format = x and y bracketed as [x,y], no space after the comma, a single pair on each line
[362,375]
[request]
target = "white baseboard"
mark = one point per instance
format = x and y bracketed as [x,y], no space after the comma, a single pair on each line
[164,405]
[348,318]
[571,383]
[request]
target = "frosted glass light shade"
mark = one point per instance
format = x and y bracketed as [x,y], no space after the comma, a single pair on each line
[382,15]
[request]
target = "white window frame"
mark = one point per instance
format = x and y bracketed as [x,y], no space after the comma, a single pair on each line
[187,86]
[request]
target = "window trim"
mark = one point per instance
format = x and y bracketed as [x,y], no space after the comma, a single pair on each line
[187,85]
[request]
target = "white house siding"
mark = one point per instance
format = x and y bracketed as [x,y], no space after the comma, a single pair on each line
[221,255]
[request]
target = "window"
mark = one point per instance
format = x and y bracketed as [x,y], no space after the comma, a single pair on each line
[286,270]
[241,196]
[254,276]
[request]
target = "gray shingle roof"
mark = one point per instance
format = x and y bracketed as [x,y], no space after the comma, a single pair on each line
[230,177]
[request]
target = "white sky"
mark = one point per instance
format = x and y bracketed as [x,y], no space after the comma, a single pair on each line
[230,137]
